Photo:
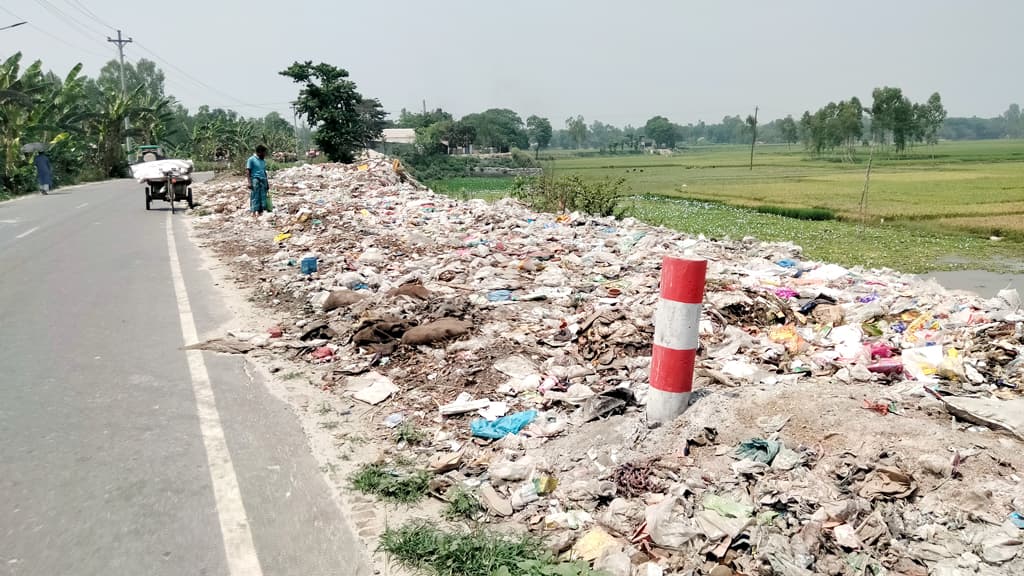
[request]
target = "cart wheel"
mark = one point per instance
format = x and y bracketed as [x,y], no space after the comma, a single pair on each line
[189,198]
[148,198]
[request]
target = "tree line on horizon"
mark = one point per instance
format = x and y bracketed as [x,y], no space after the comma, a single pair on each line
[892,120]
[82,121]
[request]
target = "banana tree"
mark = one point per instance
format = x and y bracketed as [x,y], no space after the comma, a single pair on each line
[155,120]
[106,123]
[19,94]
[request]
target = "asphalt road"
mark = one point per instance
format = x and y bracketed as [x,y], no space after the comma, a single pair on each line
[103,452]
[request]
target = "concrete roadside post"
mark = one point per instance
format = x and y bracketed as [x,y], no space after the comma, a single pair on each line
[676,323]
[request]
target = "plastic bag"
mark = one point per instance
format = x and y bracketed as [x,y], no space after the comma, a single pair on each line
[923,363]
[269,205]
[503,426]
[758,450]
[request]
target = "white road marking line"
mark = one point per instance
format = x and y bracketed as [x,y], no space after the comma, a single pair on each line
[234,524]
[15,221]
[82,205]
[26,232]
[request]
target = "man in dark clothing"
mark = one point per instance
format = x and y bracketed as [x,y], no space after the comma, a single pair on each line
[44,172]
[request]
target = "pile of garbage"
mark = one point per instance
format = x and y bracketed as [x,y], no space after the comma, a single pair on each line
[844,421]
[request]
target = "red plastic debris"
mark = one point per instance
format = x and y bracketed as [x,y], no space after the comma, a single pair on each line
[886,367]
[323,352]
[879,407]
[881,351]
[276,332]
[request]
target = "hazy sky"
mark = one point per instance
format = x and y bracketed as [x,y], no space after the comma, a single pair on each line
[615,61]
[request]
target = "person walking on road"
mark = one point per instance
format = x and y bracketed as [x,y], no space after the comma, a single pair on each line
[256,172]
[44,172]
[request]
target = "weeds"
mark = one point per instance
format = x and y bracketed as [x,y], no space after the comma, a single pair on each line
[330,424]
[462,505]
[408,433]
[813,214]
[477,553]
[355,439]
[571,193]
[390,485]
[324,409]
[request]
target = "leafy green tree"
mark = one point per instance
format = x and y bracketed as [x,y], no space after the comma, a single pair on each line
[407,119]
[788,130]
[632,137]
[934,114]
[143,73]
[460,135]
[539,130]
[345,121]
[432,138]
[499,128]
[661,131]
[577,128]
[1013,118]
[893,116]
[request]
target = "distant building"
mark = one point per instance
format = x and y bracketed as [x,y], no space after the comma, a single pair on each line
[398,136]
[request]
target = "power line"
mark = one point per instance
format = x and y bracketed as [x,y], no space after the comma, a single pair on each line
[69,21]
[47,33]
[79,26]
[77,5]
[196,80]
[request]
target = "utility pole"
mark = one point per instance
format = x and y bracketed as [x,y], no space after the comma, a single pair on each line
[753,140]
[120,50]
[424,106]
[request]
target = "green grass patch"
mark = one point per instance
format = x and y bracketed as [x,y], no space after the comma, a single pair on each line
[425,548]
[476,187]
[391,485]
[462,505]
[814,214]
[907,248]
[927,209]
[408,432]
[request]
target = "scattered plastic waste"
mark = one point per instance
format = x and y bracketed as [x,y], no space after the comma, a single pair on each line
[801,357]
[503,426]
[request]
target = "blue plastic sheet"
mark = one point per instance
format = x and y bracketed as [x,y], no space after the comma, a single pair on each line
[1018,519]
[500,296]
[503,426]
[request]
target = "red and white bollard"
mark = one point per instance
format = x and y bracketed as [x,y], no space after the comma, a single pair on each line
[676,324]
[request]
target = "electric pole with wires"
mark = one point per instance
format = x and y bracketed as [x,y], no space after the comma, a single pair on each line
[120,50]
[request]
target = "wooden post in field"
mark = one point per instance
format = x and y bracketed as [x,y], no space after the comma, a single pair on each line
[864,193]
[753,139]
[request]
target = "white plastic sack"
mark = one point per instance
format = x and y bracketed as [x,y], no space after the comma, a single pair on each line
[1011,297]
[155,170]
[827,273]
[922,363]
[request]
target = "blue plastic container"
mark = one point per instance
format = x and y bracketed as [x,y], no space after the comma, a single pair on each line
[309,264]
